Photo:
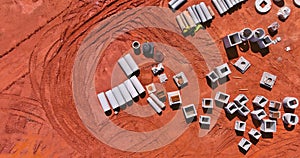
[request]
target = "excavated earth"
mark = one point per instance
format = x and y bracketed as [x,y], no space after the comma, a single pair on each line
[41,109]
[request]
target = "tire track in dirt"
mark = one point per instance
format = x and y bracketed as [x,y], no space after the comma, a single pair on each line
[79,145]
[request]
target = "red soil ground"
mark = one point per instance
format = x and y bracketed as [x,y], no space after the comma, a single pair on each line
[39,41]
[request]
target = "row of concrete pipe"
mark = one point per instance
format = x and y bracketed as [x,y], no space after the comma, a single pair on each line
[224,5]
[191,18]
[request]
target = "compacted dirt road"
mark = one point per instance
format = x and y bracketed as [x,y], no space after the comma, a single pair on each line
[48,76]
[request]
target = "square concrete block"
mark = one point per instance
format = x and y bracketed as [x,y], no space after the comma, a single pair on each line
[240,126]
[231,108]
[244,111]
[254,133]
[204,121]
[265,42]
[232,40]
[174,98]
[275,105]
[274,114]
[242,64]
[222,98]
[223,70]
[245,144]
[212,76]
[260,101]
[207,103]
[259,114]
[241,100]
[189,111]
[180,80]
[268,126]
[268,80]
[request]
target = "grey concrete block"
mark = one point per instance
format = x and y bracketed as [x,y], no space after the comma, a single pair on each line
[232,40]
[258,34]
[207,103]
[205,11]
[260,101]
[174,98]
[265,42]
[204,121]
[242,64]
[222,98]
[259,114]
[103,101]
[189,112]
[223,70]
[244,111]
[240,126]
[268,80]
[274,114]
[136,46]
[213,77]
[244,144]
[180,80]
[268,126]
[231,108]
[254,133]
[274,105]
[241,100]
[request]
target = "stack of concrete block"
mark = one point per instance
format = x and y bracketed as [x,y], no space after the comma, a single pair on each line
[274,107]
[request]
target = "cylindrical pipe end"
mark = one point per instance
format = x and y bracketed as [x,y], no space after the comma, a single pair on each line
[136,47]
